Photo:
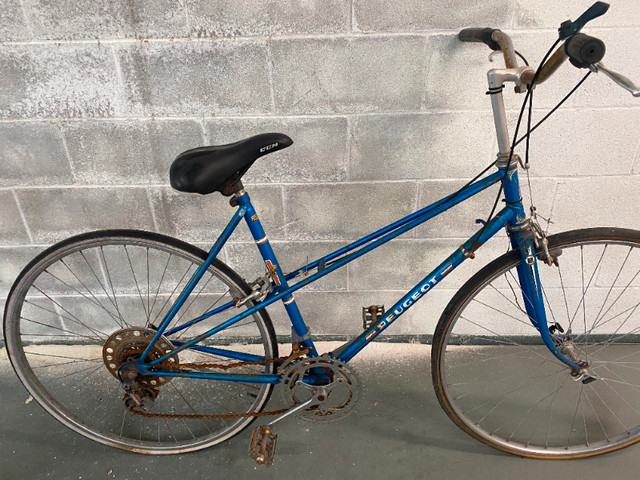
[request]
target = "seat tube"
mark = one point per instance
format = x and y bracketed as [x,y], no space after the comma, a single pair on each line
[300,332]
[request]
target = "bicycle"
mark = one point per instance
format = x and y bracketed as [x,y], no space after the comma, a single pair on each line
[133,339]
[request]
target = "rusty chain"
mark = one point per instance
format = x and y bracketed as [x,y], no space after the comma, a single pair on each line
[296,353]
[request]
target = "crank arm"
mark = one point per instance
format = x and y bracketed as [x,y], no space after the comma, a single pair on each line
[316,399]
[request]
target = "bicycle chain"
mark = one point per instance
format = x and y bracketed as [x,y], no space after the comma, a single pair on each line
[295,354]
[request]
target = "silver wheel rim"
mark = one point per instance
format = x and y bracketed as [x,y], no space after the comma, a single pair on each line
[586,417]
[23,361]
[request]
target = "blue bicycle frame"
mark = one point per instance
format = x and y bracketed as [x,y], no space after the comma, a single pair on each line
[512,216]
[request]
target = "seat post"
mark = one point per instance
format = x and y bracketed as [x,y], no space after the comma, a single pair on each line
[232,188]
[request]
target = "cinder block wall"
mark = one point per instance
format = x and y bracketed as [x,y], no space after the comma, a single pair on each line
[387,110]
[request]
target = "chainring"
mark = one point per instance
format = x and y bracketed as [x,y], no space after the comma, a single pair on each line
[302,378]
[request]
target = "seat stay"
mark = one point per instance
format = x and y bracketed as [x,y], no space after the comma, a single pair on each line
[195,278]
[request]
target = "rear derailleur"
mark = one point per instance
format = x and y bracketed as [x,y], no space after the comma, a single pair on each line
[137,396]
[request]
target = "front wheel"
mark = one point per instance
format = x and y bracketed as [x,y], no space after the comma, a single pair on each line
[497,380]
[85,306]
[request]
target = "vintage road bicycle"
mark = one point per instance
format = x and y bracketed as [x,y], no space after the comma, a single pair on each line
[149,344]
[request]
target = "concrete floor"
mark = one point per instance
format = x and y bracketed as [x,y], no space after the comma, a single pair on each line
[397,432]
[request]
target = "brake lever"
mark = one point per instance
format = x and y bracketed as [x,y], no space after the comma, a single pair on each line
[621,80]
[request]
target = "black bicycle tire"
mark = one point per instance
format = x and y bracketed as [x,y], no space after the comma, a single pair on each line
[477,282]
[175,244]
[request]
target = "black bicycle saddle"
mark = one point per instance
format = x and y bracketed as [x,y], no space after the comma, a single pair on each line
[218,168]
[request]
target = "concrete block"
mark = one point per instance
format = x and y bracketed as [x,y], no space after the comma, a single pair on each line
[401,264]
[230,18]
[584,143]
[80,274]
[41,322]
[456,74]
[417,15]
[33,154]
[85,19]
[128,151]
[62,80]
[340,313]
[459,222]
[245,259]
[596,202]
[318,154]
[136,272]
[13,260]
[12,229]
[13,26]
[345,211]
[57,213]
[197,78]
[348,74]
[417,146]
[201,218]
[552,14]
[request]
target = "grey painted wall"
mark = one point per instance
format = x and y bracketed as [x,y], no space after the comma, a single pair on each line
[386,108]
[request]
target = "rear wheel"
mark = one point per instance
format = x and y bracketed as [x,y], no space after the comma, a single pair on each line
[86,305]
[497,380]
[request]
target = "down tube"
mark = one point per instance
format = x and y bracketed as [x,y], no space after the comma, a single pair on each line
[349,350]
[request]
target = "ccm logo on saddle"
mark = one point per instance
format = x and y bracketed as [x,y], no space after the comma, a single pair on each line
[268,147]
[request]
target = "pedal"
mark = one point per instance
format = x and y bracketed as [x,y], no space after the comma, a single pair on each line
[263,445]
[371,314]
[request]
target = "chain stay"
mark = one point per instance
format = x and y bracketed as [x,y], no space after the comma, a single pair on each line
[295,354]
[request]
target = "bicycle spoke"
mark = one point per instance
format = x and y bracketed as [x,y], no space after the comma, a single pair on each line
[95,275]
[155,319]
[615,280]
[504,385]
[573,420]
[116,288]
[115,298]
[133,274]
[608,408]
[164,271]
[618,297]
[637,388]
[72,317]
[95,302]
[510,342]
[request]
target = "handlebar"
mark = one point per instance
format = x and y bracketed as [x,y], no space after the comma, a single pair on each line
[495,39]
[583,50]
[483,35]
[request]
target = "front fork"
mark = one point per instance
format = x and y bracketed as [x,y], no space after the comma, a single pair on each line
[524,239]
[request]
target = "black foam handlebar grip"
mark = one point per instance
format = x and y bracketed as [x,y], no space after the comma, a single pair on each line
[584,50]
[482,35]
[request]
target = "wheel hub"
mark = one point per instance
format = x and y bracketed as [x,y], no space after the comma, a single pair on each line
[128,344]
